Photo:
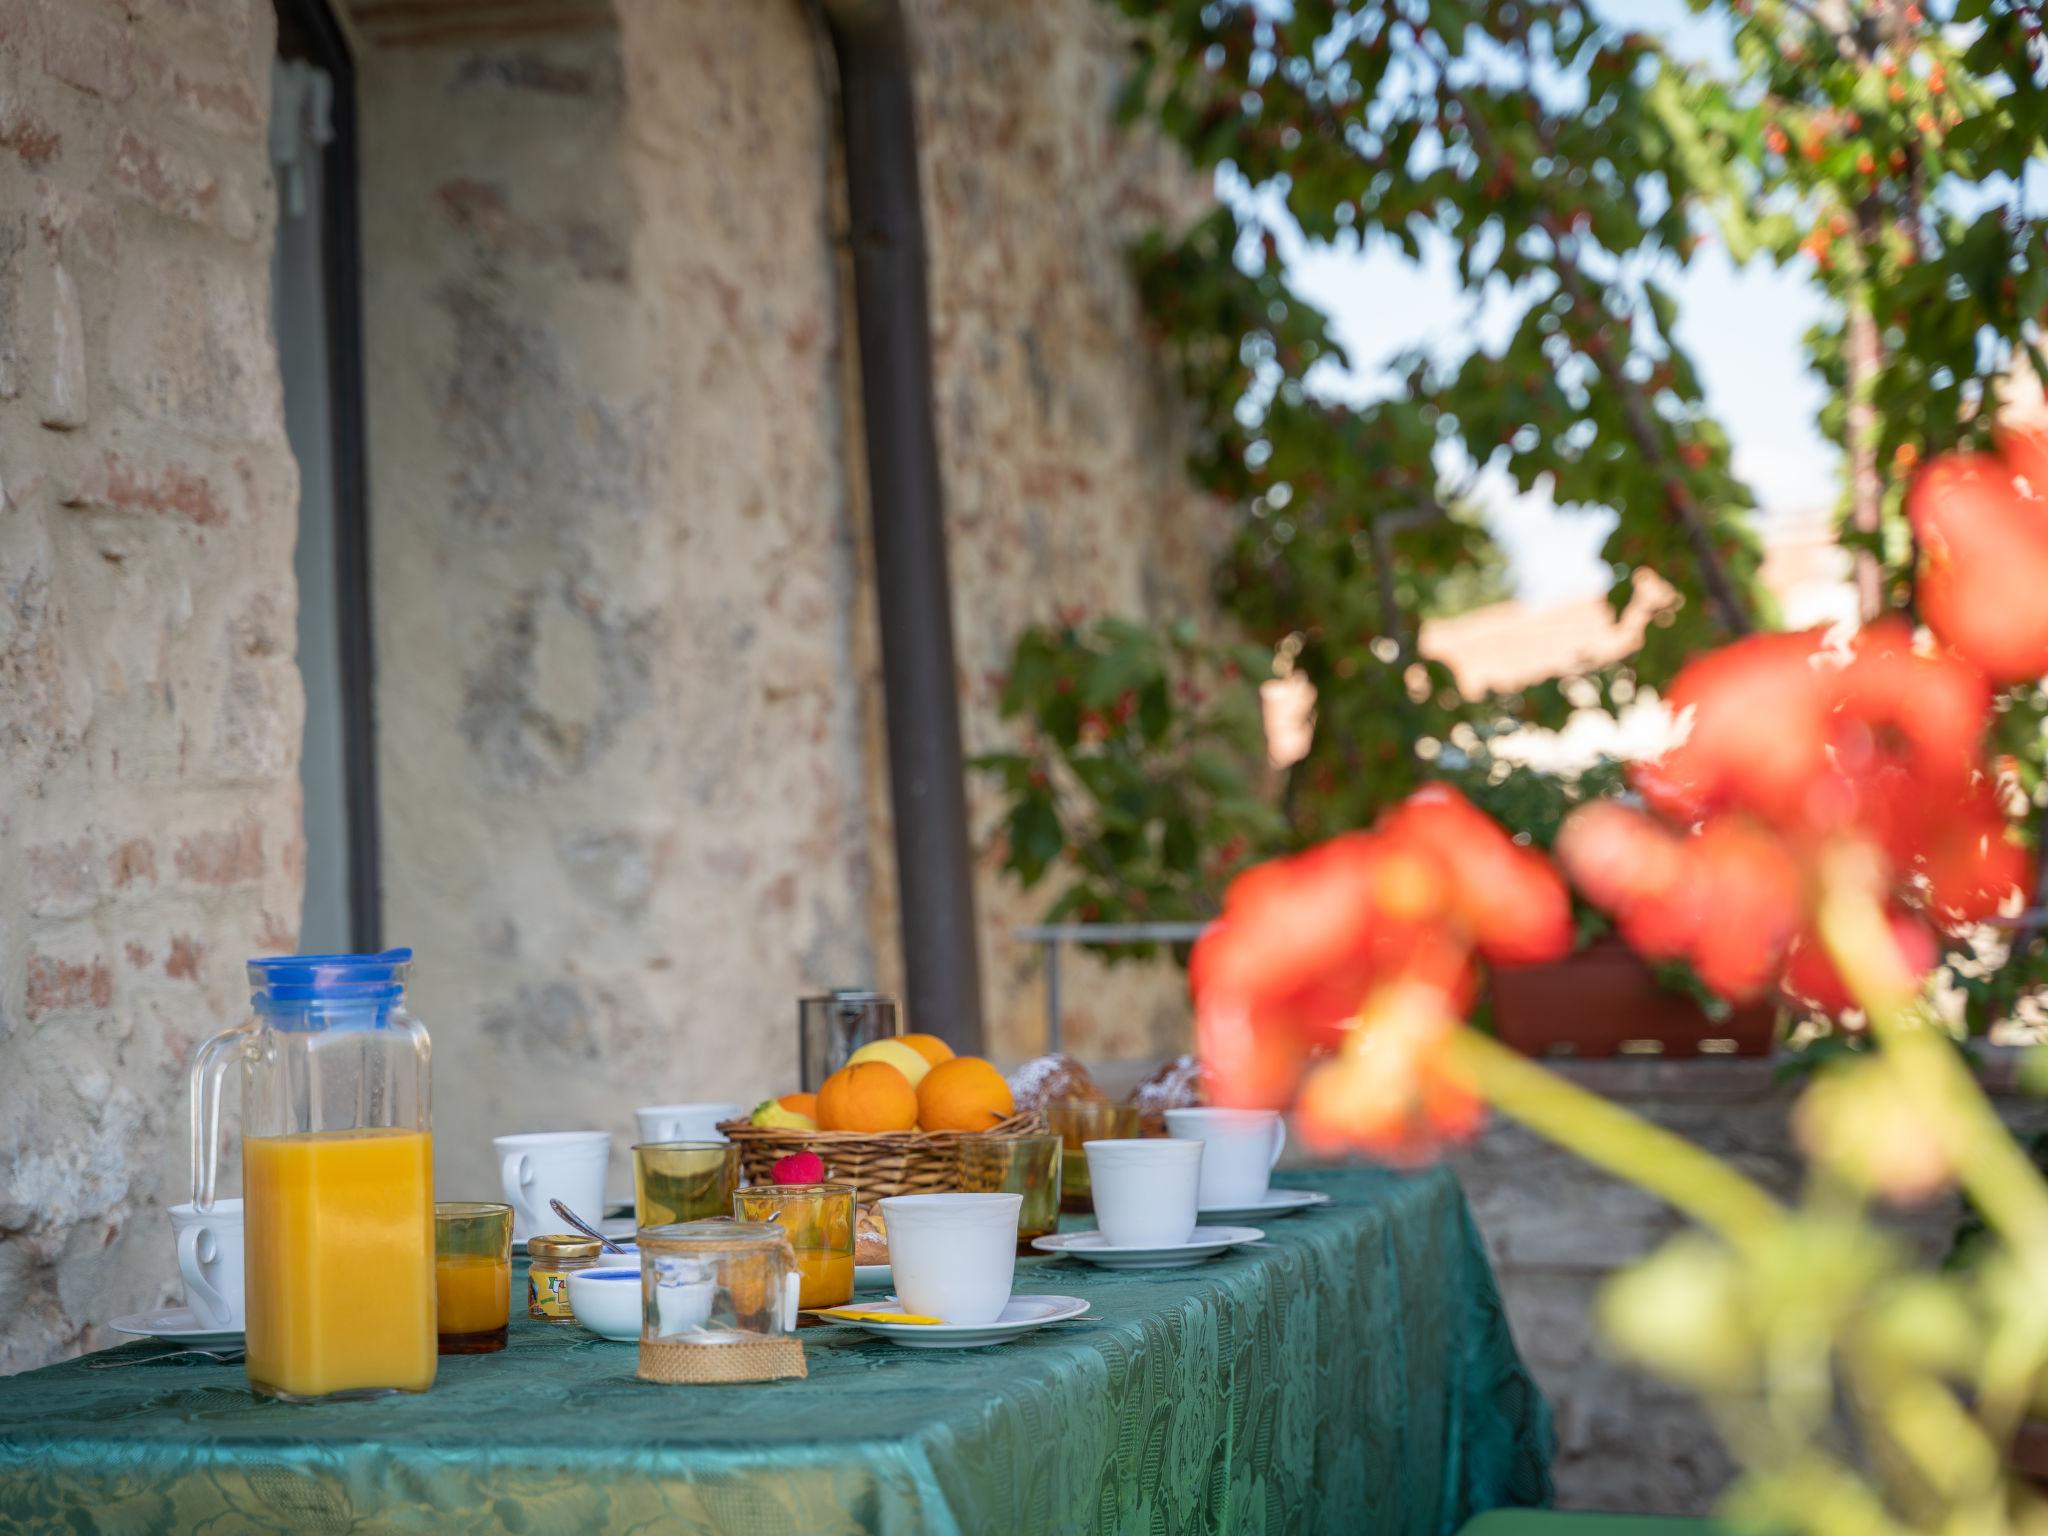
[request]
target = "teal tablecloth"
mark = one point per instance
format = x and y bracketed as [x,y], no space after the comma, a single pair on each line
[1353,1374]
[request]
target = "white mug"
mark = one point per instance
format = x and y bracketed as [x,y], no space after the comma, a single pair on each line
[953,1257]
[1240,1147]
[1145,1191]
[540,1166]
[210,1260]
[685,1122]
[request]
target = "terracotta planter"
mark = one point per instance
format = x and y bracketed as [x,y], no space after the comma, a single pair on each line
[1604,1001]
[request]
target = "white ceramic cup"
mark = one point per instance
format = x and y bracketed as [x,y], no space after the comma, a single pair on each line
[540,1166]
[210,1260]
[1145,1190]
[953,1256]
[685,1122]
[1239,1149]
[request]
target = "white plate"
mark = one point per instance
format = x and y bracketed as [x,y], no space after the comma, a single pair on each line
[872,1277]
[1275,1202]
[1206,1243]
[1020,1315]
[175,1325]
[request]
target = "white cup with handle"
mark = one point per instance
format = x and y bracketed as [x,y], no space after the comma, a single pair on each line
[538,1166]
[685,1122]
[1240,1147]
[210,1261]
[1145,1190]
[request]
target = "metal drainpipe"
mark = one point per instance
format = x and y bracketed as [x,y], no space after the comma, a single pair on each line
[934,866]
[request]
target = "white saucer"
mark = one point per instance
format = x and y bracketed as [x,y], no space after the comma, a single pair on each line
[174,1325]
[871,1277]
[1020,1315]
[1206,1243]
[1275,1202]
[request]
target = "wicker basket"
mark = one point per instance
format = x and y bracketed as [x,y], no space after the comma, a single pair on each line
[888,1163]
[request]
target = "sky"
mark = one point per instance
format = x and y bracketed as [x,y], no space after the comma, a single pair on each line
[1742,327]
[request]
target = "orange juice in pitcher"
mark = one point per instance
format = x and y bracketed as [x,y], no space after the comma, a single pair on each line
[337,1176]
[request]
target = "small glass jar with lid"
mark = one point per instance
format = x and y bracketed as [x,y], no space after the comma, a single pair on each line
[552,1259]
[718,1303]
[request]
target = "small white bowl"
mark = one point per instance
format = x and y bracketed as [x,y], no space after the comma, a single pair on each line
[606,1300]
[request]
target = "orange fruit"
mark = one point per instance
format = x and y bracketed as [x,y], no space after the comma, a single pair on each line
[867,1096]
[964,1094]
[930,1047]
[800,1103]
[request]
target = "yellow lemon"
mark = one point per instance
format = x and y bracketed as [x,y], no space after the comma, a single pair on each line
[906,1059]
[773,1115]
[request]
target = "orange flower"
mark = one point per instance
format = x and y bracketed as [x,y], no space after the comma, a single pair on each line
[1972,866]
[1393,1092]
[1982,522]
[1509,896]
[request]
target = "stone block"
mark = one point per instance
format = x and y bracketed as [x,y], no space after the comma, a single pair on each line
[153,485]
[166,178]
[63,878]
[54,984]
[222,855]
[85,52]
[62,381]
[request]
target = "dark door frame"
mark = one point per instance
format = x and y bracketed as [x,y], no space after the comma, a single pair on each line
[307,29]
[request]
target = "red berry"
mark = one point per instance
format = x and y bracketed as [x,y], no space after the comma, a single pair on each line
[799,1168]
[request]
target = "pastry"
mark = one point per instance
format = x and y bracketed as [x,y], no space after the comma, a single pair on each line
[1049,1079]
[1180,1084]
[870,1236]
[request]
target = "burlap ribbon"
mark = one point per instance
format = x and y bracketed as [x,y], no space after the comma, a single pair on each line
[760,1359]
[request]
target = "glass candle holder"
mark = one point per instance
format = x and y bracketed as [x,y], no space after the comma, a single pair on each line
[675,1181]
[1075,1121]
[1017,1165]
[472,1275]
[831,1028]
[718,1303]
[819,1221]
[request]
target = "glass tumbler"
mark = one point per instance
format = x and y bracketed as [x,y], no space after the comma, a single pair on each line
[819,1221]
[1017,1165]
[472,1275]
[1075,1121]
[683,1180]
[831,1028]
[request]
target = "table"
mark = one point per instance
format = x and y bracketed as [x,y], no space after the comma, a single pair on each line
[1354,1373]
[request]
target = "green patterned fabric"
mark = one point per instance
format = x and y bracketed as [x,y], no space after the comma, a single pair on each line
[1354,1373]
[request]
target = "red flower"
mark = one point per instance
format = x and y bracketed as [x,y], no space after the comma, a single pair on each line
[1728,898]
[1510,897]
[1757,737]
[1982,522]
[1972,865]
[1393,1092]
[1811,978]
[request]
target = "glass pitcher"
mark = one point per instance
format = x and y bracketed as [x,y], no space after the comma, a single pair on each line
[337,1175]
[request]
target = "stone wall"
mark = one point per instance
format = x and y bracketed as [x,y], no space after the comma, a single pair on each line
[1556,1229]
[149,707]
[1061,440]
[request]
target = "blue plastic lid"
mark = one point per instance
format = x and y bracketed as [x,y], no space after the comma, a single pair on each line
[330,978]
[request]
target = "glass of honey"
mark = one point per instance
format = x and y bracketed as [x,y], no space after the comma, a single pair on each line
[677,1181]
[1017,1165]
[472,1275]
[819,1221]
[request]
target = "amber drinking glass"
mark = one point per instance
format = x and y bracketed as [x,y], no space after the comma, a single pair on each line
[819,1221]
[1075,1121]
[472,1275]
[1017,1165]
[677,1181]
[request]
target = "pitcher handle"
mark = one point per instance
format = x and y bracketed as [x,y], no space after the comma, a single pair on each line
[1279,1139]
[513,1175]
[209,1067]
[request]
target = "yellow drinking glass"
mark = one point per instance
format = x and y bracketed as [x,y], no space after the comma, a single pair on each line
[819,1221]
[1017,1165]
[676,1181]
[1075,1121]
[472,1275]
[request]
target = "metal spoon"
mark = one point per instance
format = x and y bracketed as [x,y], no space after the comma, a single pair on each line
[218,1357]
[583,1226]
